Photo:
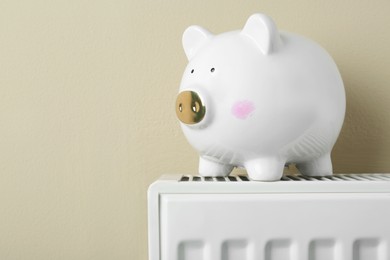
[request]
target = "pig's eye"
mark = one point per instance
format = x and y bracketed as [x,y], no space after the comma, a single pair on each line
[212,69]
[192,71]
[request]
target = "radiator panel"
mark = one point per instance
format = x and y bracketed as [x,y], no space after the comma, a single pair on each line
[254,221]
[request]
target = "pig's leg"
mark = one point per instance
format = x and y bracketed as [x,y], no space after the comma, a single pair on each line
[265,169]
[212,168]
[321,166]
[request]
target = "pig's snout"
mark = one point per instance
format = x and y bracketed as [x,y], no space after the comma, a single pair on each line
[189,107]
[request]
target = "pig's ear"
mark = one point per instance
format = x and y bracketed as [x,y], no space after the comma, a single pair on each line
[194,37]
[262,30]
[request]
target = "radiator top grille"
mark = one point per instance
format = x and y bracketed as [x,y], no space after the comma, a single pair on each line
[335,177]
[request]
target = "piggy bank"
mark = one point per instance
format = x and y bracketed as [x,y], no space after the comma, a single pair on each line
[260,99]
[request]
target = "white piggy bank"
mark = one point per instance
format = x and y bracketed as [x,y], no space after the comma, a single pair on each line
[259,99]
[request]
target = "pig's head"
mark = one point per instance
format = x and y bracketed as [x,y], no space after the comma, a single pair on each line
[217,62]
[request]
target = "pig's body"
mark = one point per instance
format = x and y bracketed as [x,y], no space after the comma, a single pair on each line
[267,99]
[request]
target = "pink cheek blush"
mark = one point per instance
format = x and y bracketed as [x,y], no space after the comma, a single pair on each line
[242,109]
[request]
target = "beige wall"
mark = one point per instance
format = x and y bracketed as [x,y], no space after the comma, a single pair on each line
[86,110]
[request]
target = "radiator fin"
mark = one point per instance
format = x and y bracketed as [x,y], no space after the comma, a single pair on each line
[279,249]
[367,249]
[322,249]
[335,177]
[234,249]
[191,250]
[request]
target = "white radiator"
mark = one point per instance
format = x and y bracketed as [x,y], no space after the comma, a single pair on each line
[342,217]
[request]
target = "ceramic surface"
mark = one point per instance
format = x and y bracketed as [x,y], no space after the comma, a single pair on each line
[259,98]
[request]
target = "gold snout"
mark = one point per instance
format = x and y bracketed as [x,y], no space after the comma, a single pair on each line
[190,108]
